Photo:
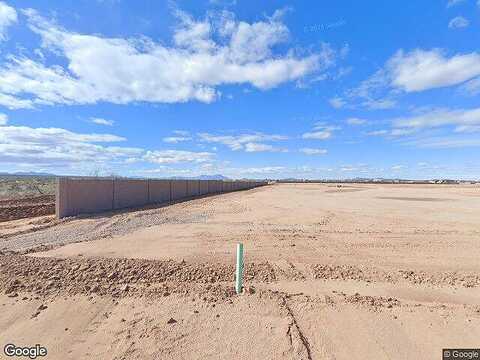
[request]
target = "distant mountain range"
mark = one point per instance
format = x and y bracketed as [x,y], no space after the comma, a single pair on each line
[26,173]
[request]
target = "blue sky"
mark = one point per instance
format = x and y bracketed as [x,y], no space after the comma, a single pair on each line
[338,89]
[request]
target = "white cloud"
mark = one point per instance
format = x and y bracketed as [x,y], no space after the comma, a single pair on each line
[176,139]
[259,170]
[177,156]
[467,129]
[63,150]
[258,147]
[422,70]
[247,142]
[398,167]
[3,119]
[458,23]
[472,87]
[356,121]
[440,117]
[223,2]
[55,146]
[8,16]
[309,151]
[320,132]
[378,132]
[415,71]
[435,128]
[181,132]
[100,121]
[444,142]
[379,104]
[454,2]
[318,135]
[337,102]
[122,71]
[12,102]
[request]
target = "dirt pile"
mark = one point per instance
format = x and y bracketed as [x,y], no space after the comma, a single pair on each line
[27,207]
[350,272]
[372,301]
[116,277]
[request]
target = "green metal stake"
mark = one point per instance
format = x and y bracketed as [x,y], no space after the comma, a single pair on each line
[239,272]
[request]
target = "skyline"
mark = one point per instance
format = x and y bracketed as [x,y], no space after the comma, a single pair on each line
[275,90]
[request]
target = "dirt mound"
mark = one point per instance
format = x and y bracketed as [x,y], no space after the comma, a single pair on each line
[372,301]
[116,277]
[446,278]
[27,207]
[350,272]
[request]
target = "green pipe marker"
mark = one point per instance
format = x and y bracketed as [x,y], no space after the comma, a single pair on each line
[239,271]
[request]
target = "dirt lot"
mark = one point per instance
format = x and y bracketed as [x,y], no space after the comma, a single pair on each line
[27,207]
[361,271]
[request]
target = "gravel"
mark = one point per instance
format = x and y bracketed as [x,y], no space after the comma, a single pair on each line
[108,225]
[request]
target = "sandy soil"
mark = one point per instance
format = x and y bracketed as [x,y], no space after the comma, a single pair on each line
[27,207]
[360,271]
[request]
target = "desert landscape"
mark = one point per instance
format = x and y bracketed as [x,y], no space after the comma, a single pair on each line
[331,272]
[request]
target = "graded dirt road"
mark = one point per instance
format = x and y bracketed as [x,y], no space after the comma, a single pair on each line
[357,271]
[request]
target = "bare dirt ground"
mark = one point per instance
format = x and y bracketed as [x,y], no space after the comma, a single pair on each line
[358,271]
[13,209]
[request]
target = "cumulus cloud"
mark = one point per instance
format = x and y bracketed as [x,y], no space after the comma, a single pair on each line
[320,132]
[22,144]
[266,170]
[176,139]
[458,23]
[422,70]
[247,142]
[8,16]
[435,128]
[3,119]
[100,121]
[177,156]
[258,147]
[318,135]
[310,151]
[205,54]
[63,149]
[356,121]
[414,71]
[444,142]
[441,117]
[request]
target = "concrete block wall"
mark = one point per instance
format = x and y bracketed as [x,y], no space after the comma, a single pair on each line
[204,187]
[179,189]
[193,188]
[76,196]
[129,193]
[159,191]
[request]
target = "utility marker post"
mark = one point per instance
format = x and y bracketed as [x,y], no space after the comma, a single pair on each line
[239,270]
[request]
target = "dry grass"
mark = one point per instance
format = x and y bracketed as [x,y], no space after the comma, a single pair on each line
[15,187]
